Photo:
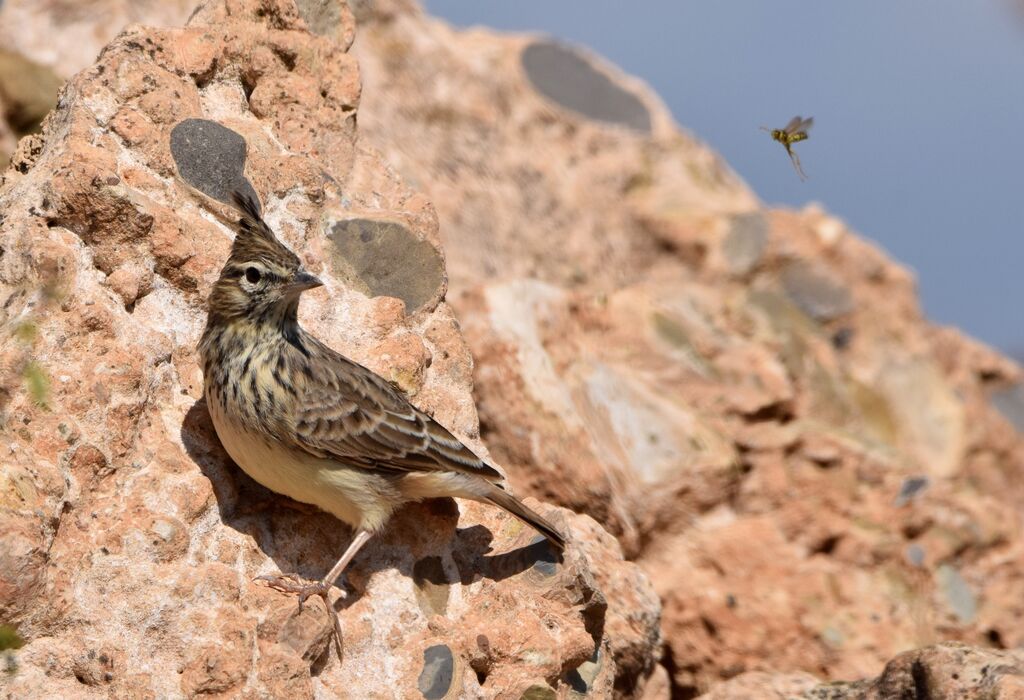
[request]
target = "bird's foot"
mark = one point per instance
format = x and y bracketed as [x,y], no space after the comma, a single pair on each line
[288,583]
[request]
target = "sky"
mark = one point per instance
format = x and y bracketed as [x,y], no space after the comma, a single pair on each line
[918,141]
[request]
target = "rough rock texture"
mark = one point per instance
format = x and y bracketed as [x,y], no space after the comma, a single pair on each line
[815,478]
[523,187]
[67,35]
[949,671]
[749,399]
[46,41]
[28,91]
[128,541]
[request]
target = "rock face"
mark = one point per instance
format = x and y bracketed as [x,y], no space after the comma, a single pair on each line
[46,42]
[815,478]
[948,671]
[28,91]
[530,151]
[128,541]
[68,36]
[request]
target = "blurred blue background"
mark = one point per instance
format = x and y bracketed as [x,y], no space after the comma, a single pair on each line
[918,107]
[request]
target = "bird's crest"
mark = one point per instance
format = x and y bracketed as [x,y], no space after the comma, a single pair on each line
[252,220]
[255,239]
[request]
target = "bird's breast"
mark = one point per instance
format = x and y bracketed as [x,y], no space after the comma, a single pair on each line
[355,495]
[259,456]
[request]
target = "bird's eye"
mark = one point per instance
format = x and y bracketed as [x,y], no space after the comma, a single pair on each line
[252,275]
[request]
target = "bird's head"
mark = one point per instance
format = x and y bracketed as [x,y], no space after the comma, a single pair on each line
[262,279]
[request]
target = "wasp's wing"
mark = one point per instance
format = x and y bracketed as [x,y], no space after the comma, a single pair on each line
[793,125]
[805,125]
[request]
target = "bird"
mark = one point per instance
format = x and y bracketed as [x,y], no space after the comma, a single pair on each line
[307,422]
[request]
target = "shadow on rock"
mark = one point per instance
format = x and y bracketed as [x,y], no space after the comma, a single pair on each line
[303,540]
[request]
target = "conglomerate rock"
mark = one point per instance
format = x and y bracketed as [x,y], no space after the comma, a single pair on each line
[815,478]
[128,541]
[948,671]
[28,91]
[523,187]
[750,399]
[46,41]
[67,35]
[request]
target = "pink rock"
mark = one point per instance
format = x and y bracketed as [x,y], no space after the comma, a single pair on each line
[129,542]
[639,346]
[645,353]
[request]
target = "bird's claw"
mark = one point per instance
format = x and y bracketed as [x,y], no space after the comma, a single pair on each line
[288,583]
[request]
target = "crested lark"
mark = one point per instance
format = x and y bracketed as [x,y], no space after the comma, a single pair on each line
[309,423]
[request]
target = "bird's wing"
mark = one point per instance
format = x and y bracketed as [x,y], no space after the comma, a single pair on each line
[351,414]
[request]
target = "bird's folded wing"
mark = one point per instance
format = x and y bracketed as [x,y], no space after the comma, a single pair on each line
[349,413]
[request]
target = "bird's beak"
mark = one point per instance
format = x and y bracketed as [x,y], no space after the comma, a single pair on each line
[303,281]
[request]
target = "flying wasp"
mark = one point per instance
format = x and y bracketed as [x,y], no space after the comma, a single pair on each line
[794,132]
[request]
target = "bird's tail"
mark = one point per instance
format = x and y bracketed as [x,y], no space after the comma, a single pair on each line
[503,499]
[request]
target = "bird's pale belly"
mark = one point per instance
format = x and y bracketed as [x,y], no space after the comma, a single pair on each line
[349,493]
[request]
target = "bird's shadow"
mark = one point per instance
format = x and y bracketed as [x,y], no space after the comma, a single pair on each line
[303,540]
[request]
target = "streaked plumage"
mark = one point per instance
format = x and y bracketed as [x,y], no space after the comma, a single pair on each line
[307,422]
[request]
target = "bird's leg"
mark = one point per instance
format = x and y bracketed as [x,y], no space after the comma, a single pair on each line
[287,583]
[361,538]
[304,589]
